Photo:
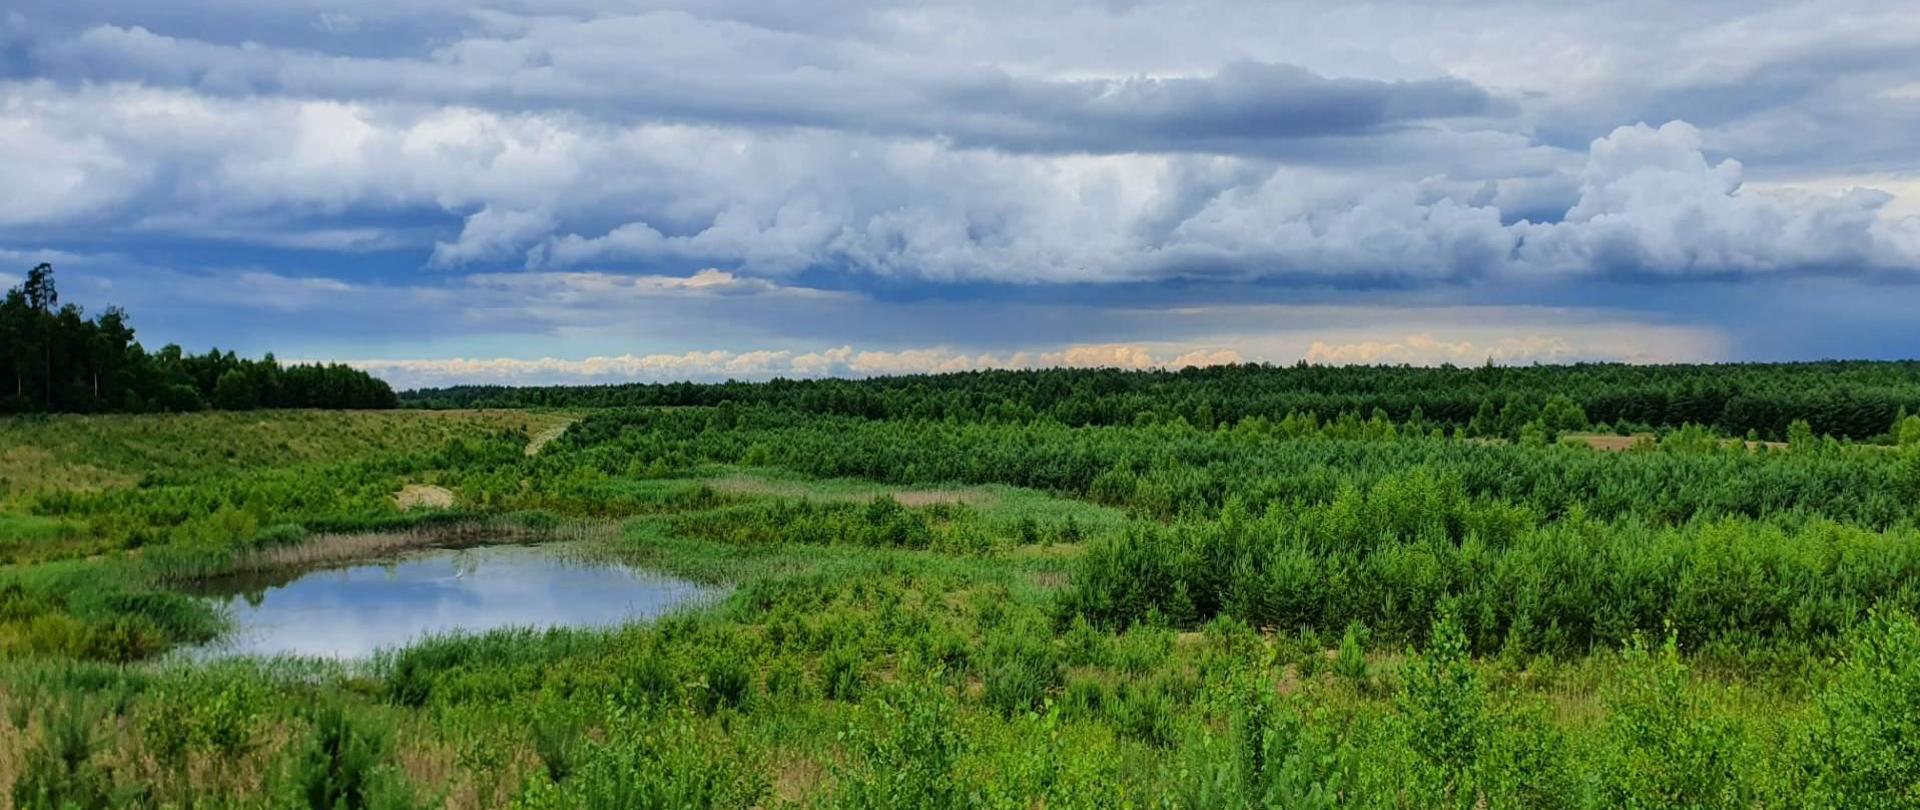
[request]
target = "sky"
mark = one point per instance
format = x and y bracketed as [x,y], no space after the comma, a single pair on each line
[540,191]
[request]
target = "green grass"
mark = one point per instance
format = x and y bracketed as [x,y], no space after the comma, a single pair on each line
[1244,619]
[1005,507]
[29,535]
[70,452]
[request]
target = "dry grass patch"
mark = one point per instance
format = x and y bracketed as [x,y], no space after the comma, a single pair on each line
[550,432]
[1613,444]
[423,496]
[1620,444]
[1050,580]
[748,485]
[929,497]
[797,777]
[13,752]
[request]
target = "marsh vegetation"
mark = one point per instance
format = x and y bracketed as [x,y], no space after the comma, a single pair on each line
[975,602]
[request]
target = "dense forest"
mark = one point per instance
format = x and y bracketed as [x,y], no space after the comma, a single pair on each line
[1849,399]
[56,359]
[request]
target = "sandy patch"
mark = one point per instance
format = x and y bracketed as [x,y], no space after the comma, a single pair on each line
[424,496]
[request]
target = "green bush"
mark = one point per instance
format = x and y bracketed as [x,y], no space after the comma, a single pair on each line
[1020,668]
[1864,747]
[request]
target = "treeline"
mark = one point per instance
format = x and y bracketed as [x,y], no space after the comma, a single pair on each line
[55,359]
[1849,399]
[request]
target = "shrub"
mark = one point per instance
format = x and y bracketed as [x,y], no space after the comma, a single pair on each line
[59,769]
[1444,703]
[727,683]
[1352,661]
[1021,667]
[1665,747]
[908,748]
[842,673]
[1865,738]
[342,765]
[652,760]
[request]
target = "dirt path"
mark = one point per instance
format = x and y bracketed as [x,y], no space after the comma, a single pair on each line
[541,439]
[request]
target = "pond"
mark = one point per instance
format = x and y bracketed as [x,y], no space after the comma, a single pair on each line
[348,613]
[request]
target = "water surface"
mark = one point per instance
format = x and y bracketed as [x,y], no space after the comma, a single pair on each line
[348,613]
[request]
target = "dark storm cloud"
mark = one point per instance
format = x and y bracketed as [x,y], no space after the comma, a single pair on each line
[1239,109]
[929,162]
[603,68]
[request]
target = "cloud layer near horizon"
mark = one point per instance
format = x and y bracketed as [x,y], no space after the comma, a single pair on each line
[845,361]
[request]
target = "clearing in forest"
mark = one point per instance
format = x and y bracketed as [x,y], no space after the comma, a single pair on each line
[851,491]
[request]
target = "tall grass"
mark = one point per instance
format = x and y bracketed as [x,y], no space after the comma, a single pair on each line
[1283,612]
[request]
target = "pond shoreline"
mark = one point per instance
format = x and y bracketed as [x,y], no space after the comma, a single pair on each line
[340,550]
[353,611]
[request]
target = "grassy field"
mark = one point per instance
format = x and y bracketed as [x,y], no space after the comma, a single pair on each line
[67,452]
[942,614]
[53,458]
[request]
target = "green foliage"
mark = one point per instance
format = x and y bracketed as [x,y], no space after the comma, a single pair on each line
[61,772]
[1020,668]
[652,762]
[1865,740]
[57,360]
[1906,430]
[343,766]
[1352,661]
[726,684]
[1444,702]
[1666,745]
[909,747]
[1854,399]
[926,609]
[1271,756]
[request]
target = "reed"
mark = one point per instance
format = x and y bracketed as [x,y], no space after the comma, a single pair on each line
[329,549]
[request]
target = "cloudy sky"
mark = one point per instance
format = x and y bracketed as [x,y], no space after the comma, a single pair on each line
[546,190]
